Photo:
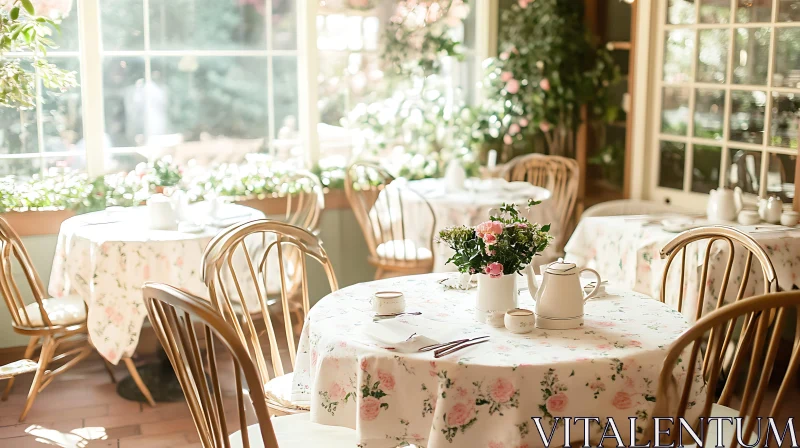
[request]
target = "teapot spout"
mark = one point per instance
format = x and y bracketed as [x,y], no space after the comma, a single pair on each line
[533,284]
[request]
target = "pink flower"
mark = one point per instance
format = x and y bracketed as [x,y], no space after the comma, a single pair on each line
[494,270]
[460,414]
[364,365]
[506,76]
[386,379]
[522,225]
[146,272]
[496,445]
[336,392]
[502,390]
[544,84]
[490,252]
[512,86]
[493,227]
[504,56]
[111,354]
[622,400]
[514,129]
[524,3]
[603,346]
[544,126]
[597,385]
[179,262]
[489,239]
[507,139]
[369,409]
[636,343]
[557,402]
[314,357]
[523,122]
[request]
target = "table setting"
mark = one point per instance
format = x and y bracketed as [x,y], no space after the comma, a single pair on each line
[626,249]
[436,359]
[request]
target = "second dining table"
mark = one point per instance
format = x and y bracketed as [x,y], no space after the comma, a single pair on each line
[483,395]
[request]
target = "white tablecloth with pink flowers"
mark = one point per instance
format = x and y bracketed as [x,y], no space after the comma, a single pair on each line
[627,251]
[482,396]
[470,207]
[105,258]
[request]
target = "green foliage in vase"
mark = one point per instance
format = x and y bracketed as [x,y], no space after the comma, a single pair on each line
[21,30]
[549,68]
[504,245]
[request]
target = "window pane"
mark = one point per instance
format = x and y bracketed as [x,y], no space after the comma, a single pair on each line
[788,10]
[675,110]
[212,109]
[122,23]
[715,11]
[680,11]
[747,116]
[20,167]
[123,101]
[207,24]
[787,58]
[784,121]
[284,23]
[744,170]
[709,109]
[18,132]
[286,120]
[780,176]
[671,169]
[678,54]
[712,57]
[751,56]
[61,114]
[748,11]
[705,169]
[123,162]
[67,38]
[76,162]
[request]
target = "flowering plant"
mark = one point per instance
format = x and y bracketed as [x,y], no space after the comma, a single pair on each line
[501,246]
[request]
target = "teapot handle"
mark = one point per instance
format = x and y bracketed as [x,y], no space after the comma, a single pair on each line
[596,286]
[738,199]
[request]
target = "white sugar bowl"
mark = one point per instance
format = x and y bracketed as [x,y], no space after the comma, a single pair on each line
[520,320]
[790,218]
[388,302]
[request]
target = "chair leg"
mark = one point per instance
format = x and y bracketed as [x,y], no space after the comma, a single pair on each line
[48,347]
[379,273]
[28,353]
[107,365]
[138,380]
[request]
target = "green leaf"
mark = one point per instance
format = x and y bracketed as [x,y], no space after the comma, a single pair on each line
[15,13]
[28,6]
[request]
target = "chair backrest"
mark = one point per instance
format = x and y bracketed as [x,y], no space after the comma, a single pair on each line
[178,319]
[624,207]
[557,174]
[380,206]
[13,254]
[760,337]
[240,265]
[729,238]
[304,200]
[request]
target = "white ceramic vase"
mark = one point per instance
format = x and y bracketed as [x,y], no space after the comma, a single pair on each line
[495,295]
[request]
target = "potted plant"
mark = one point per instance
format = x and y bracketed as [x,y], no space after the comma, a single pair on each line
[496,250]
[163,173]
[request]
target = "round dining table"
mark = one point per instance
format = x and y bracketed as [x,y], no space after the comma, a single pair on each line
[470,206]
[486,394]
[105,257]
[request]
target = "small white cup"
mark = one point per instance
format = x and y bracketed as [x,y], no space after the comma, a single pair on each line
[790,218]
[495,318]
[388,302]
[520,320]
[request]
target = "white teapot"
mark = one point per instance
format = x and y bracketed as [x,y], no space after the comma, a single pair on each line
[724,204]
[560,297]
[163,213]
[454,176]
[770,209]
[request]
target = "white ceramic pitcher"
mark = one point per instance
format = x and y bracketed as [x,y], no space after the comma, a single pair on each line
[560,297]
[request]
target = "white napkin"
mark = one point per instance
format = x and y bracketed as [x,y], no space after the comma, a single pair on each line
[398,335]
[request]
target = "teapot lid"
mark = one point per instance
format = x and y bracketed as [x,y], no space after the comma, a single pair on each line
[560,267]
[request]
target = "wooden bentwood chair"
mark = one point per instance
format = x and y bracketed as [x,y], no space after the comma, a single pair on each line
[558,174]
[758,328]
[235,268]
[379,209]
[49,322]
[179,320]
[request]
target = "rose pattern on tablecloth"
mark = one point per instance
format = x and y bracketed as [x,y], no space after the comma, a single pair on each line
[106,264]
[486,394]
[627,252]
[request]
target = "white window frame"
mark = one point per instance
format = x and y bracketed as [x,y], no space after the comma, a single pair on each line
[91,56]
[647,155]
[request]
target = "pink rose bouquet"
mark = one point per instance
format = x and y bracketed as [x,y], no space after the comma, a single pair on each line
[503,245]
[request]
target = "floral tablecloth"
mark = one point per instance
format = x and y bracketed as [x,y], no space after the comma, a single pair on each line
[106,258]
[482,396]
[626,251]
[471,208]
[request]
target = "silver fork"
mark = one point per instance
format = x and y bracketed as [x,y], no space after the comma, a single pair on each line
[446,351]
